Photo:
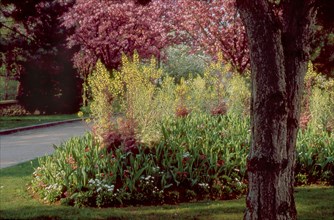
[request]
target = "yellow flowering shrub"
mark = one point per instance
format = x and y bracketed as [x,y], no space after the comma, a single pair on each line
[165,98]
[216,77]
[239,95]
[145,98]
[319,99]
[198,95]
[104,91]
[140,103]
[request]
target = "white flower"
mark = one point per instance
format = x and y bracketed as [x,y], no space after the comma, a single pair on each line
[186,154]
[204,185]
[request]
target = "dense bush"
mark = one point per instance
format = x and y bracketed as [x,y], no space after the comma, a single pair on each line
[192,161]
[199,156]
[145,96]
[320,100]
[181,62]
[50,85]
[315,156]
[158,142]
[8,87]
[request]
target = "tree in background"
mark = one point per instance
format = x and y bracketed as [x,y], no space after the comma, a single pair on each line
[323,43]
[279,33]
[212,26]
[48,82]
[106,29]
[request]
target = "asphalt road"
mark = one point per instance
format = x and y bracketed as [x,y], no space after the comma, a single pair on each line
[27,145]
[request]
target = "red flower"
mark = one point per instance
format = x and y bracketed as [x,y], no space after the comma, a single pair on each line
[182,174]
[184,161]
[202,156]
[220,163]
[126,173]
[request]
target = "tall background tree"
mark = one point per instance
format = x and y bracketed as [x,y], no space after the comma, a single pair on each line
[323,42]
[279,34]
[214,27]
[106,29]
[35,52]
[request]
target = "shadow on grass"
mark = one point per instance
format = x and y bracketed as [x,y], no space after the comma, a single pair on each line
[200,210]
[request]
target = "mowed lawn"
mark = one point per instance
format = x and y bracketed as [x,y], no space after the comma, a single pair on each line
[313,202]
[9,122]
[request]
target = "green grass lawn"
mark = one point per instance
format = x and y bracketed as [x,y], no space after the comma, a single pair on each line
[313,202]
[9,122]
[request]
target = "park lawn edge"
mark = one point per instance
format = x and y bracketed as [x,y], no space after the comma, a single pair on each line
[313,202]
[12,122]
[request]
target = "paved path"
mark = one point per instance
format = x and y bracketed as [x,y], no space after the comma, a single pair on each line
[27,145]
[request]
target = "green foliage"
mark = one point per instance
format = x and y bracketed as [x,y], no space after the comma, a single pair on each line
[217,78]
[320,100]
[190,156]
[181,63]
[315,157]
[8,87]
[322,108]
[51,86]
[15,196]
[199,156]
[141,106]
[239,95]
[145,96]
[158,142]
[103,95]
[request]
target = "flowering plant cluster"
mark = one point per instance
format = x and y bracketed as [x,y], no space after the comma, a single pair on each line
[176,169]
[197,152]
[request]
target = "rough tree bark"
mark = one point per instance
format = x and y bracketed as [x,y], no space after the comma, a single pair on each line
[278,35]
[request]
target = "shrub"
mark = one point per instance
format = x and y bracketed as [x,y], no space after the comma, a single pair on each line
[171,143]
[8,86]
[239,95]
[50,85]
[104,93]
[181,62]
[140,103]
[83,174]
[13,110]
[217,77]
[145,98]
[319,100]
[315,155]
[199,156]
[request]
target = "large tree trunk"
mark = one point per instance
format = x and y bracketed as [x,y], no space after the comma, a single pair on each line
[278,51]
